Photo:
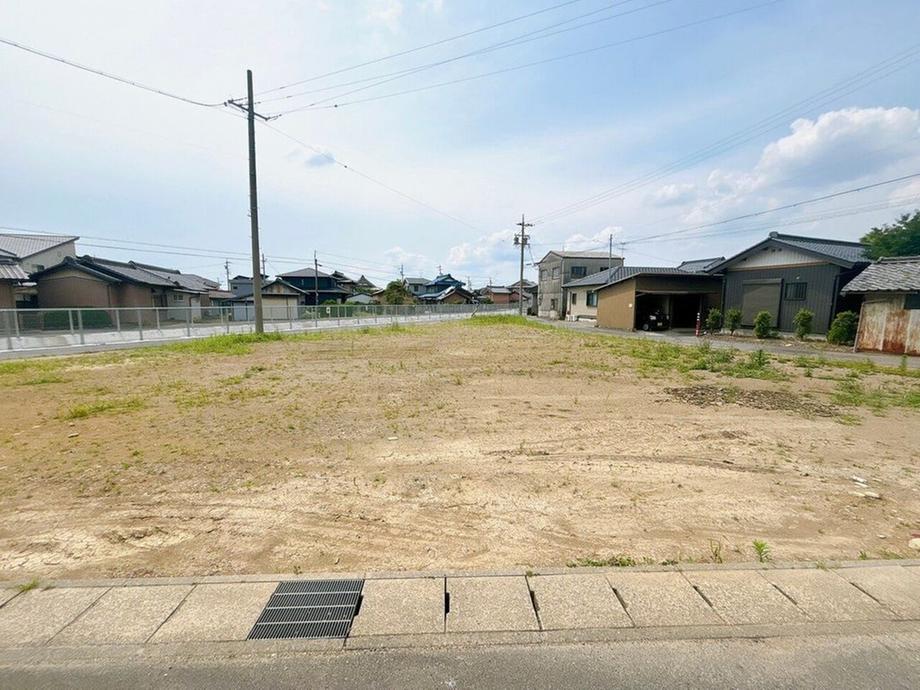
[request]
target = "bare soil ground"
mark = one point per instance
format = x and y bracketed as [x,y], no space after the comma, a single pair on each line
[463,445]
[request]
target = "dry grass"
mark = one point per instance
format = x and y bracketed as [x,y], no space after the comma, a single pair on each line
[472,444]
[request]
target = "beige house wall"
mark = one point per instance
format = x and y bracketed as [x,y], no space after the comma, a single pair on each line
[616,305]
[48,258]
[70,288]
[579,309]
[7,296]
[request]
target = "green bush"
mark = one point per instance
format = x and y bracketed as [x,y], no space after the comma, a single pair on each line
[763,324]
[843,329]
[733,320]
[714,321]
[803,321]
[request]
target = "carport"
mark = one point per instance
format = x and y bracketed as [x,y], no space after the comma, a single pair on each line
[635,292]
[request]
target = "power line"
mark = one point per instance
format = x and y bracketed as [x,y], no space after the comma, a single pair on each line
[535,35]
[861,79]
[107,75]
[775,209]
[421,47]
[371,179]
[535,63]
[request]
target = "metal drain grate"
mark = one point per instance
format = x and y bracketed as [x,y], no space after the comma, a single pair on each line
[309,609]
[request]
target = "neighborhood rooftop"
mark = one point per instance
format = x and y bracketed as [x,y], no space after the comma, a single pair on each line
[695,265]
[621,273]
[579,255]
[21,246]
[888,275]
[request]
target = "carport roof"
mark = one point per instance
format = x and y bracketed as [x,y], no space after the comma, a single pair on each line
[626,272]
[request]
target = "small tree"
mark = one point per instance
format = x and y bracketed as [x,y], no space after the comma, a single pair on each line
[714,321]
[396,293]
[901,238]
[763,324]
[733,320]
[843,329]
[802,322]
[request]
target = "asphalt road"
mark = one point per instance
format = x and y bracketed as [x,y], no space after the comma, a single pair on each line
[878,661]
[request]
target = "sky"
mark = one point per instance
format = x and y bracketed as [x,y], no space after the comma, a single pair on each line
[672,115]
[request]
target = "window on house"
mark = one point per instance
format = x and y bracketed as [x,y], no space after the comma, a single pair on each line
[542,274]
[591,301]
[177,297]
[574,298]
[796,291]
[579,271]
[555,271]
[912,301]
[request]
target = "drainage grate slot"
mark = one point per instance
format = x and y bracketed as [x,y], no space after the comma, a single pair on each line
[309,609]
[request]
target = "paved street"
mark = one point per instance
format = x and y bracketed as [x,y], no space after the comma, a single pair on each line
[856,624]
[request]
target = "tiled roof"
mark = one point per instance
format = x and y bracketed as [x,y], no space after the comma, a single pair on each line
[578,255]
[26,245]
[599,278]
[304,273]
[695,265]
[128,271]
[417,281]
[12,272]
[187,281]
[852,252]
[888,275]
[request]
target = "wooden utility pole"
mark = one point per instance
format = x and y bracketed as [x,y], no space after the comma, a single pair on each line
[315,290]
[227,270]
[522,238]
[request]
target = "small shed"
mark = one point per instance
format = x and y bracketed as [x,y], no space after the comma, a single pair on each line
[889,319]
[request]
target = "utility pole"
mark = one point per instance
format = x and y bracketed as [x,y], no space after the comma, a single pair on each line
[402,274]
[251,116]
[610,253]
[264,272]
[315,280]
[227,271]
[522,239]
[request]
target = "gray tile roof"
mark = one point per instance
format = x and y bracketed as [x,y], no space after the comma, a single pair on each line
[888,275]
[22,245]
[129,271]
[621,273]
[852,252]
[695,265]
[578,255]
[12,272]
[187,281]
[304,273]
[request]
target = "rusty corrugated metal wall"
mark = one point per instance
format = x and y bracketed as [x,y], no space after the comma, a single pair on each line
[885,325]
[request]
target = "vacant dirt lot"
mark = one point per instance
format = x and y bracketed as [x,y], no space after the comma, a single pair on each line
[464,445]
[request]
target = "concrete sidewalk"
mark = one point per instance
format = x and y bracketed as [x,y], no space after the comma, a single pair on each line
[162,618]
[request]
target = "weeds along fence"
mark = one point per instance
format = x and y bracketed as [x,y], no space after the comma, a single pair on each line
[33,329]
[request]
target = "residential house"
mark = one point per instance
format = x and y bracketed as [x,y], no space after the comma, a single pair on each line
[786,273]
[499,294]
[560,267]
[280,302]
[37,252]
[34,253]
[529,290]
[889,317]
[697,265]
[318,287]
[96,283]
[242,285]
[362,298]
[11,277]
[416,286]
[441,283]
[364,285]
[633,293]
[344,282]
[450,295]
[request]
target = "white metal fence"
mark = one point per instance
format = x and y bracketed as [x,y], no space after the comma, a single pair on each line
[32,329]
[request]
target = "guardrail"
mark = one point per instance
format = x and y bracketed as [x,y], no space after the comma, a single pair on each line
[30,329]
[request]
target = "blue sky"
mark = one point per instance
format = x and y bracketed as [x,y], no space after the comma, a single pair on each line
[91,157]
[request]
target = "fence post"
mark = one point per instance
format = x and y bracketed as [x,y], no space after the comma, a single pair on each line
[188,322]
[70,319]
[9,333]
[140,323]
[338,315]
[80,326]
[117,322]
[222,314]
[156,313]
[16,322]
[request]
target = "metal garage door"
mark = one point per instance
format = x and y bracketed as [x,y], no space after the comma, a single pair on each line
[757,296]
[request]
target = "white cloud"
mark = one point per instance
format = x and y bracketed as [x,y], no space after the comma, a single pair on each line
[499,246]
[674,194]
[596,242]
[413,264]
[387,13]
[840,145]
[434,6]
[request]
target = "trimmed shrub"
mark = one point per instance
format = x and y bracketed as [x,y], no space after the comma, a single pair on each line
[803,321]
[763,324]
[714,321]
[843,329]
[733,320]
